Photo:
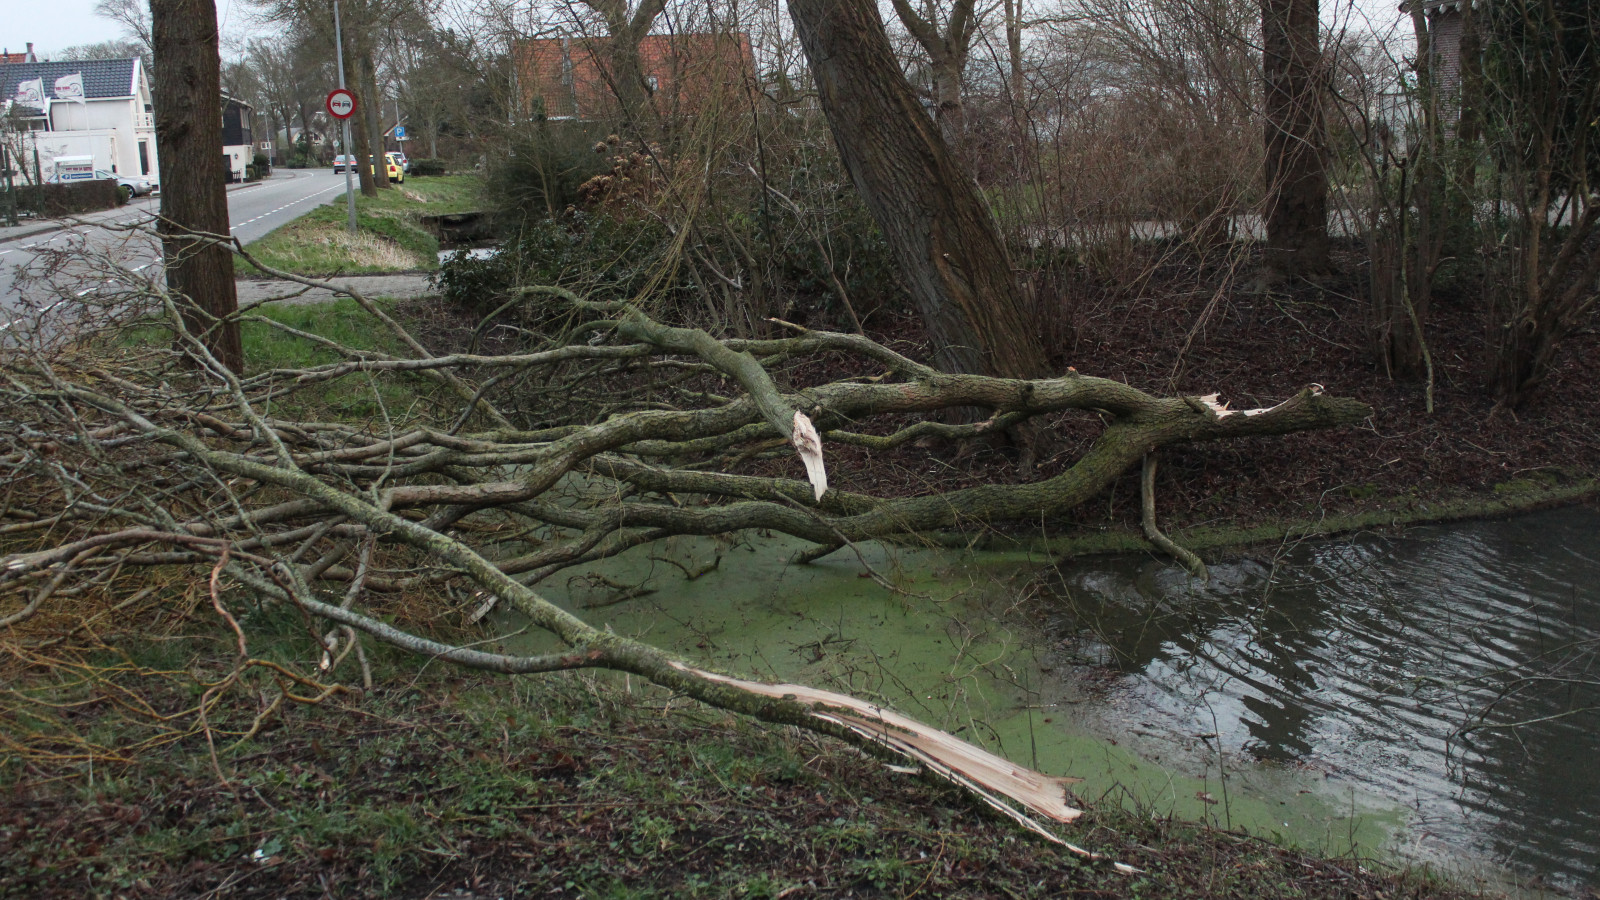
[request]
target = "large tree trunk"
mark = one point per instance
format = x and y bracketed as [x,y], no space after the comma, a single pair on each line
[957,270]
[360,147]
[372,118]
[193,196]
[1297,182]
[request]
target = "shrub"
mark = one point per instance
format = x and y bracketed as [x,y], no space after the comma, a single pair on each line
[427,166]
[596,256]
[541,172]
[79,197]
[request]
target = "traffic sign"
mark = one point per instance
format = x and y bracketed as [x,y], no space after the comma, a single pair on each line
[341,103]
[400,132]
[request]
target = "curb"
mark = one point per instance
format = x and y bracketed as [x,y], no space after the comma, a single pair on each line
[57,225]
[43,229]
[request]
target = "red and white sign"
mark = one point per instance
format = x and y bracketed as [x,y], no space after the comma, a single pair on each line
[341,103]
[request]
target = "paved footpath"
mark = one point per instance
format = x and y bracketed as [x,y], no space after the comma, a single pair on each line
[402,287]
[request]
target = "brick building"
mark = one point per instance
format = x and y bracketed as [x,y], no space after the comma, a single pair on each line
[570,77]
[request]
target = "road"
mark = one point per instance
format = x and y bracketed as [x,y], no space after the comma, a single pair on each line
[253,211]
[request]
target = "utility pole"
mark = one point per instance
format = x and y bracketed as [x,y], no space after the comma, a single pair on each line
[349,154]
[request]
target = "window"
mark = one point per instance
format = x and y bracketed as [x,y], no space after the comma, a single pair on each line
[652,82]
[144,157]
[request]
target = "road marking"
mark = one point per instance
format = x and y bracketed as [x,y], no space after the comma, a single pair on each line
[285,206]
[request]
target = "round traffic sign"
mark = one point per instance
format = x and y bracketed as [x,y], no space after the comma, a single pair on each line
[341,103]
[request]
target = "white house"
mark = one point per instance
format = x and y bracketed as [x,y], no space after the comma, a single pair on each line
[238,142]
[104,112]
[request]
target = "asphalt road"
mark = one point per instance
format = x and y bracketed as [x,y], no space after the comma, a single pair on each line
[80,252]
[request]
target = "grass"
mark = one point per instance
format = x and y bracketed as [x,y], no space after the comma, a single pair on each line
[389,237]
[578,786]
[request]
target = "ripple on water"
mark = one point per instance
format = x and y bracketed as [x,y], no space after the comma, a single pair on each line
[1453,668]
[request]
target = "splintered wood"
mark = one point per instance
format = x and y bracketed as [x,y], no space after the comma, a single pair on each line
[973,768]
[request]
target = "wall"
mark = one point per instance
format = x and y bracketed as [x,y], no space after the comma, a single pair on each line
[120,117]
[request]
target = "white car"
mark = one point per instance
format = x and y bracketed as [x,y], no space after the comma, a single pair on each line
[137,185]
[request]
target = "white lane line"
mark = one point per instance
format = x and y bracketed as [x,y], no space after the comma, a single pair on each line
[286,206]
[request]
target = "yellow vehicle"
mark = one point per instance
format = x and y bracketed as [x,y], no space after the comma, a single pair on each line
[395,167]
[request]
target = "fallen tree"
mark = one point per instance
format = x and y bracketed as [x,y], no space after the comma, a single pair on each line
[126,453]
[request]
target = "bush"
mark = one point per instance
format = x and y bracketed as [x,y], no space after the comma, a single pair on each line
[596,256]
[427,166]
[540,174]
[76,197]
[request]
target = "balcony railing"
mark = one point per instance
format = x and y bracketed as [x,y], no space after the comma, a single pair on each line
[144,120]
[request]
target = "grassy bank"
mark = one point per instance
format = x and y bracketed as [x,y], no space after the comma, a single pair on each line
[575,786]
[389,237]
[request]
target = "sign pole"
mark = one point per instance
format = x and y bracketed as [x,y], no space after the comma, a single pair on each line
[349,155]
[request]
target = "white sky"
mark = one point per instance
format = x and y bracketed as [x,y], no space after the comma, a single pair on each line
[55,25]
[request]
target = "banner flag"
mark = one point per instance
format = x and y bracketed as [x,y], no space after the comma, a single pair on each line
[70,87]
[30,92]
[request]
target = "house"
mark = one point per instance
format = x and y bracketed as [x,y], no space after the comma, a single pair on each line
[570,77]
[238,142]
[99,108]
[6,56]
[1445,20]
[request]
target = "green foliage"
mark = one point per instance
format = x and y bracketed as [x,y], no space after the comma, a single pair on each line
[594,255]
[1539,72]
[427,167]
[539,175]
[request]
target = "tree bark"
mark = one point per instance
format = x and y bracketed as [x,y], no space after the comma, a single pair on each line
[956,268]
[193,196]
[360,148]
[373,119]
[1296,139]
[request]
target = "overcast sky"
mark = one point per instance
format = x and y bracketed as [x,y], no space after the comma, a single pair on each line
[54,25]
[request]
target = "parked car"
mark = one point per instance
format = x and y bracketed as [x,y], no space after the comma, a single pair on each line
[394,168]
[405,162]
[132,185]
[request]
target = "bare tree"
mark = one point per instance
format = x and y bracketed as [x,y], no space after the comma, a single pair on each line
[947,43]
[1542,98]
[134,457]
[134,16]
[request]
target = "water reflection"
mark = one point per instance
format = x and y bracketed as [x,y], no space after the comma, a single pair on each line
[1453,669]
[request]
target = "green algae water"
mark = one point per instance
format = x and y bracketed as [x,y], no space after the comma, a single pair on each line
[1430,695]
[950,646]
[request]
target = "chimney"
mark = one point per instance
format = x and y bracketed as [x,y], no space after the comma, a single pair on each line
[30,57]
